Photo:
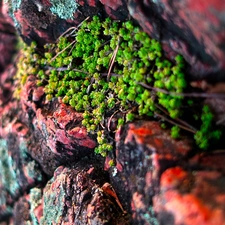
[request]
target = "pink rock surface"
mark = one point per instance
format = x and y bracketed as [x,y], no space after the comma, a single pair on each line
[195,197]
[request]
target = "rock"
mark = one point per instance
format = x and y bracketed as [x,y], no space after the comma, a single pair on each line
[49,173]
[144,152]
[214,160]
[80,198]
[7,38]
[29,208]
[18,173]
[195,197]
[192,29]
[44,21]
[62,131]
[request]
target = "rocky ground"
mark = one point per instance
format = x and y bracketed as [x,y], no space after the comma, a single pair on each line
[49,173]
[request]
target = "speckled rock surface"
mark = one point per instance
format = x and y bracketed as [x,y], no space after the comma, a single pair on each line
[49,173]
[79,194]
[41,21]
[193,28]
[190,197]
[143,152]
[162,182]
[7,38]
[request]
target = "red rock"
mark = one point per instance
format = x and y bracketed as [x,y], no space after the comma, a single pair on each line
[62,136]
[214,160]
[43,26]
[144,151]
[8,39]
[82,185]
[191,198]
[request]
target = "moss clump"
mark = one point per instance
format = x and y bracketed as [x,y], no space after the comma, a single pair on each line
[26,66]
[107,67]
[206,131]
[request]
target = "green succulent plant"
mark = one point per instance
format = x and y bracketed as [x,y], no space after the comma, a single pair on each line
[106,67]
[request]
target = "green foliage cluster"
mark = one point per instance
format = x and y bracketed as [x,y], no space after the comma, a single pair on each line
[107,66]
[203,136]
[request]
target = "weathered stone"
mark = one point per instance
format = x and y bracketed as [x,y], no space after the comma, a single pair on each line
[194,29]
[45,21]
[144,151]
[155,180]
[7,38]
[214,160]
[18,172]
[62,131]
[80,198]
[195,197]
[29,208]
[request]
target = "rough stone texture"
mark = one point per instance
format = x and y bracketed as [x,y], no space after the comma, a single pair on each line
[48,172]
[143,152]
[36,21]
[74,195]
[7,38]
[162,182]
[62,130]
[80,197]
[194,29]
[195,197]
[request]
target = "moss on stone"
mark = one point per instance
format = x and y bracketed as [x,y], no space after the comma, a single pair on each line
[110,67]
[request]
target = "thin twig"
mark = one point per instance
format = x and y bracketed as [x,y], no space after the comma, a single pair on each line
[69,29]
[112,60]
[111,74]
[65,68]
[220,121]
[196,95]
[76,70]
[71,49]
[62,51]
[73,28]
[174,123]
[109,122]
[177,119]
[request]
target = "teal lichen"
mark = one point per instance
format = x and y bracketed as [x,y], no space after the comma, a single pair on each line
[13,6]
[8,172]
[33,171]
[107,68]
[64,9]
[150,217]
[52,197]
[35,201]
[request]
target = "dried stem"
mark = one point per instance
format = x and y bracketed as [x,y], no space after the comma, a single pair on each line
[112,60]
[62,51]
[195,95]
[109,122]
[177,119]
[174,123]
